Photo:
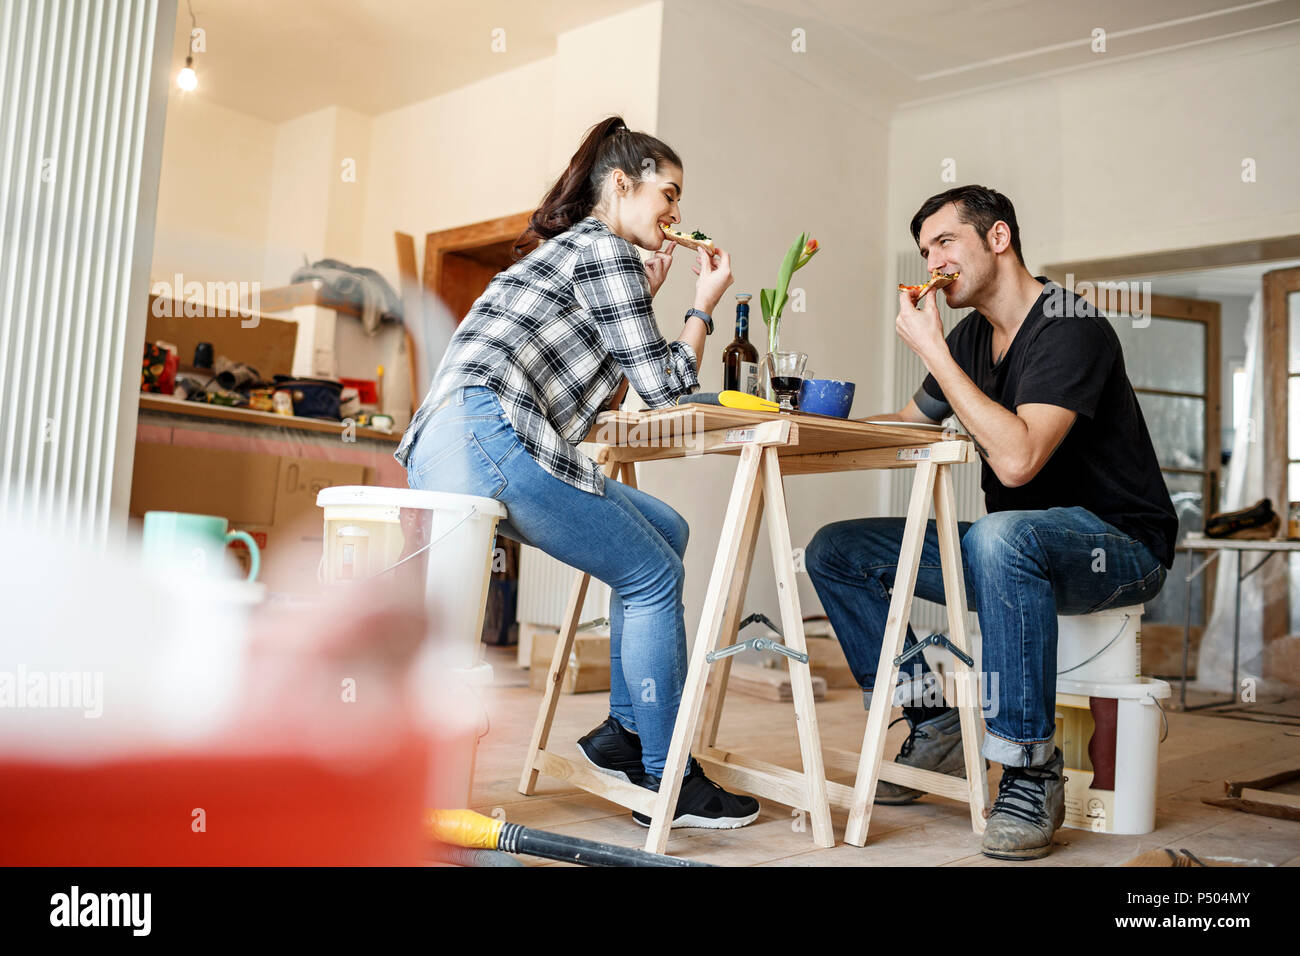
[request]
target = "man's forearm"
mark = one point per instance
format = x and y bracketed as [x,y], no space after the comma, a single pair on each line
[1000,436]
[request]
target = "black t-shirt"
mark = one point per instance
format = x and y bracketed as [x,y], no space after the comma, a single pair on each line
[1067,354]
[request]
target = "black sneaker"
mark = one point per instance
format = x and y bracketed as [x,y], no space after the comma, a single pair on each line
[702,803]
[613,750]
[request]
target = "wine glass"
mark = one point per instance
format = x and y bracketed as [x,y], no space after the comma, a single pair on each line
[785,372]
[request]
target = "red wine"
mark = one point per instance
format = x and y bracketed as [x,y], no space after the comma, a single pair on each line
[786,388]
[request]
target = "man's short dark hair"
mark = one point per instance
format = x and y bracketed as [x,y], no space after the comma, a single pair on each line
[977,205]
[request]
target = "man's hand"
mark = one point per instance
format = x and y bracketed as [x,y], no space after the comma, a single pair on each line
[657,266]
[921,329]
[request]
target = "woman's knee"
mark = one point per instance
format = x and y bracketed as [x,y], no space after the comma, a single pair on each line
[678,532]
[658,584]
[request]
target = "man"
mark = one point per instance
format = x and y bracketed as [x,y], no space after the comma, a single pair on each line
[1079,516]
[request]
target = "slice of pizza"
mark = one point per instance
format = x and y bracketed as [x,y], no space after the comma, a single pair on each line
[692,240]
[937,281]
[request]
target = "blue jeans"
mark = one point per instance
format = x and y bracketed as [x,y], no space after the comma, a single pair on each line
[630,540]
[1022,568]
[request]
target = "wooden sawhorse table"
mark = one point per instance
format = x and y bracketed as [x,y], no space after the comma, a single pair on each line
[769,446]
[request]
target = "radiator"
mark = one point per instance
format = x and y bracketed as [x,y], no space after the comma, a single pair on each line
[83,95]
[909,372]
[544,586]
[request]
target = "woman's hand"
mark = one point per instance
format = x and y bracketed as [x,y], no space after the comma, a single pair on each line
[657,266]
[715,276]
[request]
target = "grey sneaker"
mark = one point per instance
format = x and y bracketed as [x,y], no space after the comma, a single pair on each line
[932,745]
[1029,809]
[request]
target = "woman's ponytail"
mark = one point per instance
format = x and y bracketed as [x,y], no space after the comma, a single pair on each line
[607,146]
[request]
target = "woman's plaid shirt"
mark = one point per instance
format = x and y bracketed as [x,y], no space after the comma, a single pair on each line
[553,336]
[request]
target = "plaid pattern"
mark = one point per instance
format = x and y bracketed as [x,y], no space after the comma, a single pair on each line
[553,336]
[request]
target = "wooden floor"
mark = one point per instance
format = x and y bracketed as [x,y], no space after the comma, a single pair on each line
[1200,752]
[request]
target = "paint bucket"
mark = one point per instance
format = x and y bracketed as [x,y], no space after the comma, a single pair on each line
[1102,646]
[437,542]
[456,713]
[1109,734]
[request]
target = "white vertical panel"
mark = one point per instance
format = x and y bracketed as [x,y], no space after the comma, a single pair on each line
[909,372]
[544,585]
[81,112]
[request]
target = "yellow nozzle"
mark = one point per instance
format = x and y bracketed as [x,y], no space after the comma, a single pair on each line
[463,828]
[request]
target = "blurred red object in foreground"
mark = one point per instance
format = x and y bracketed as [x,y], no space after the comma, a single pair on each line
[265,810]
[320,755]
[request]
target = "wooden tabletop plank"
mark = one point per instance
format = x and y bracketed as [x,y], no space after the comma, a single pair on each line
[680,424]
[1199,542]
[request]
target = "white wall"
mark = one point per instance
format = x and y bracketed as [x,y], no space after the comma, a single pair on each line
[1133,157]
[475,153]
[606,67]
[769,151]
[214,194]
[300,189]
[243,199]
[494,147]
[349,165]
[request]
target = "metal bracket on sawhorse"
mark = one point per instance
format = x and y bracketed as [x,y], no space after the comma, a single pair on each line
[757,643]
[940,640]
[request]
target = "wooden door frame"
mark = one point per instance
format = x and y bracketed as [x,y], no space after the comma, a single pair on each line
[1277,284]
[1247,252]
[1209,314]
[437,245]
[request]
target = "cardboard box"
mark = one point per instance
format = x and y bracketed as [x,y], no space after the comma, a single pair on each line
[267,344]
[769,683]
[588,668]
[272,497]
[825,656]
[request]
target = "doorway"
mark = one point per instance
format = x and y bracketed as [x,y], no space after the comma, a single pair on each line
[1187,368]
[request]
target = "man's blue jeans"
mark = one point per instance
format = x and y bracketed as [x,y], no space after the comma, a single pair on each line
[1022,569]
[630,540]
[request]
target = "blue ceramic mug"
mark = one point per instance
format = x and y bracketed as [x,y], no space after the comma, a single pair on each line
[824,396]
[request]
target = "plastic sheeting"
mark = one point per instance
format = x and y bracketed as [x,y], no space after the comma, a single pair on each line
[1245,486]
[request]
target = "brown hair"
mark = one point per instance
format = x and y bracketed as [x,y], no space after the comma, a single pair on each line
[608,145]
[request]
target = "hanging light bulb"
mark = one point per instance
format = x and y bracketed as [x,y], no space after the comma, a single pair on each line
[187,79]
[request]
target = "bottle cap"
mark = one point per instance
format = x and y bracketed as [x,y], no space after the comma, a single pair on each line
[743,296]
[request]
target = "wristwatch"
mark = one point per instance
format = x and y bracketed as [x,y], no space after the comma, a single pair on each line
[703,317]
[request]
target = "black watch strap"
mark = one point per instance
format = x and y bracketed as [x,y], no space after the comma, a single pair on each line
[704,317]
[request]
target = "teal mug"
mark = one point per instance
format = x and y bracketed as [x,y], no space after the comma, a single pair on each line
[173,538]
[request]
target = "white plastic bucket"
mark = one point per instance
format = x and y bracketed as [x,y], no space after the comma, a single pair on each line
[1130,807]
[456,712]
[441,542]
[1102,646]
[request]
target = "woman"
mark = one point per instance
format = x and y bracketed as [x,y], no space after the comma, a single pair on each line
[539,354]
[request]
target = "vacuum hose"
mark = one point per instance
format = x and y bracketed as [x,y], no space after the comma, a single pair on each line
[465,828]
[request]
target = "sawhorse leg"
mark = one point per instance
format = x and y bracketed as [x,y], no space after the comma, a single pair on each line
[805,710]
[932,483]
[968,697]
[716,688]
[743,490]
